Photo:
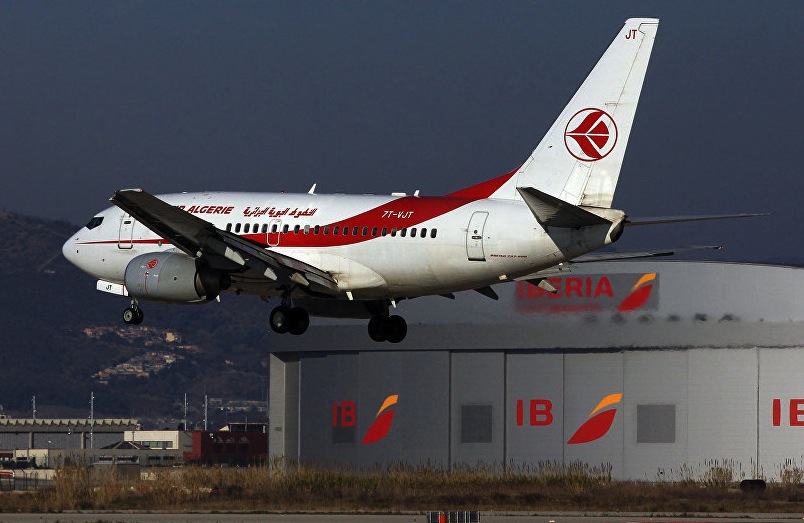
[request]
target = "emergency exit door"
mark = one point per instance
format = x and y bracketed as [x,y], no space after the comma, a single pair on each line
[474,236]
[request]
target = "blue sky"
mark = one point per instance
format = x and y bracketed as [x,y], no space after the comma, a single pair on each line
[375,97]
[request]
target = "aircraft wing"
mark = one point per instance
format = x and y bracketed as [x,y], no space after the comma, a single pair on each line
[199,238]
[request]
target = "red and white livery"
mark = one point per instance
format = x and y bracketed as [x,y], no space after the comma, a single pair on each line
[358,255]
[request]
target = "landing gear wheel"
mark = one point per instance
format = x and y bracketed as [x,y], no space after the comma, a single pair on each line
[280,319]
[132,316]
[299,321]
[376,328]
[396,328]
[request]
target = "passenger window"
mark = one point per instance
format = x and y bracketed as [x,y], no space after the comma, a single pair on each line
[306,229]
[264,227]
[365,231]
[374,231]
[237,227]
[346,230]
[317,229]
[423,234]
[432,233]
[245,228]
[228,227]
[326,230]
[335,230]
[403,232]
[385,231]
[296,229]
[393,231]
[413,232]
[274,227]
[354,231]
[285,228]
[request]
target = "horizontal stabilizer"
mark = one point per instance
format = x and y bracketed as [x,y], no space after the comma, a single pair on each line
[539,278]
[678,219]
[609,256]
[553,212]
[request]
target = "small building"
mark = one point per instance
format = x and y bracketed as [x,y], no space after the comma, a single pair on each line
[62,433]
[227,447]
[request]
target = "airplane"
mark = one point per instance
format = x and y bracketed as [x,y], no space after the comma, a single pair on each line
[357,256]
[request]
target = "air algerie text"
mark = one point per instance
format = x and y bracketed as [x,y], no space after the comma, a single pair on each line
[207,209]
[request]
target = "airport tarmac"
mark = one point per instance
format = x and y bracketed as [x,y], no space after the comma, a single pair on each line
[206,517]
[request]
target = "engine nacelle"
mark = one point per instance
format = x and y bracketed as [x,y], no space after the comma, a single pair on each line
[173,277]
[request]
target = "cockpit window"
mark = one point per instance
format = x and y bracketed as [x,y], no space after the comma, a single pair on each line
[94,222]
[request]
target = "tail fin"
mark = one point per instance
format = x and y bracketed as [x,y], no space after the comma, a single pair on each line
[579,159]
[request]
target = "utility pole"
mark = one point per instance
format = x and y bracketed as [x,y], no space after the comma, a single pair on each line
[33,403]
[185,411]
[91,418]
[206,405]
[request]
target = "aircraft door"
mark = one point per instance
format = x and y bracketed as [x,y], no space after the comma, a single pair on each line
[125,237]
[474,236]
[274,230]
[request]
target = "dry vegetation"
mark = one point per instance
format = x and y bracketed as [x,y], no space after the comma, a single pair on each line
[545,487]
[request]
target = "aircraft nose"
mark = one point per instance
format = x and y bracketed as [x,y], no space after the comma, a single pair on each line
[70,250]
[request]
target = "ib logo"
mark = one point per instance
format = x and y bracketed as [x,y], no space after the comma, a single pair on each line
[599,421]
[344,414]
[590,135]
[640,293]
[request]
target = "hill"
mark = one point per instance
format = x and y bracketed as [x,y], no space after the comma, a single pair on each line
[60,340]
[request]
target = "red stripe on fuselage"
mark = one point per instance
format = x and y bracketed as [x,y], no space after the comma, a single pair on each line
[400,213]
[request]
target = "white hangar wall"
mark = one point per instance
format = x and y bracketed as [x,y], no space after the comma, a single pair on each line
[693,408]
[703,372]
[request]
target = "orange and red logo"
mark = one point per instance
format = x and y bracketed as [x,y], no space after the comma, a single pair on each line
[344,415]
[599,421]
[640,293]
[382,421]
[591,294]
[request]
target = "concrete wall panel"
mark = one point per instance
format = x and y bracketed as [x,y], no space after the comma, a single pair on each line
[477,410]
[589,378]
[535,410]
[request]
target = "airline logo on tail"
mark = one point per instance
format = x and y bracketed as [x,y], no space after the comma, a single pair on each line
[590,135]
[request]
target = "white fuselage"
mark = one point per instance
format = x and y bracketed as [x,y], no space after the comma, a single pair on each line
[396,246]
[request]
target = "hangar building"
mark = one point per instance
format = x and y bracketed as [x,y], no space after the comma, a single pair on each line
[655,369]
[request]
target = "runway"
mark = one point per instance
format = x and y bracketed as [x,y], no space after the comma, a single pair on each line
[207,517]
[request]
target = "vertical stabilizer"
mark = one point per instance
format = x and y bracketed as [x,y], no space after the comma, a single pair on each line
[579,159]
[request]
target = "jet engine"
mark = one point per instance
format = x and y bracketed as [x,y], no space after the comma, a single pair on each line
[173,277]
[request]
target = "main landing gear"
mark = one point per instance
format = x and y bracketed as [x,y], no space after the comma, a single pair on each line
[387,328]
[294,320]
[133,315]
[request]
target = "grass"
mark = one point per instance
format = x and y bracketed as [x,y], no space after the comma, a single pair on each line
[397,488]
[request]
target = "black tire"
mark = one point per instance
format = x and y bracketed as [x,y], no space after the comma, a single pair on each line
[396,328]
[376,329]
[299,321]
[130,316]
[280,319]
[138,317]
